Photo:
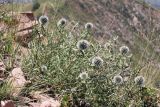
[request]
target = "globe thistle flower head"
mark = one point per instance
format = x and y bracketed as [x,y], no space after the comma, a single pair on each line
[124,50]
[89,26]
[117,79]
[43,20]
[43,68]
[83,75]
[97,61]
[82,44]
[139,80]
[62,22]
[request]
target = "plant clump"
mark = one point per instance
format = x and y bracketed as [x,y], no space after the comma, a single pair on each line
[83,72]
[92,73]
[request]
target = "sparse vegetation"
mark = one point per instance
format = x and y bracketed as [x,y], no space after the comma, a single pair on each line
[64,61]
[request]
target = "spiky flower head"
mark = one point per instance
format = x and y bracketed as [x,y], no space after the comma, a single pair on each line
[43,68]
[97,61]
[82,44]
[117,79]
[88,26]
[62,22]
[124,50]
[43,20]
[139,80]
[83,75]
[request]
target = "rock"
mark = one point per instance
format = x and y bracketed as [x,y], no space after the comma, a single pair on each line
[8,103]
[17,80]
[34,105]
[44,100]
[24,22]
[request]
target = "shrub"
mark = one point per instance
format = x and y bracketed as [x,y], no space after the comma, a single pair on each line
[82,77]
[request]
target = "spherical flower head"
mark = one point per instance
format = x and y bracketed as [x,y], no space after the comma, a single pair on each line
[82,44]
[43,68]
[83,75]
[89,26]
[43,20]
[117,79]
[62,22]
[139,80]
[97,61]
[124,50]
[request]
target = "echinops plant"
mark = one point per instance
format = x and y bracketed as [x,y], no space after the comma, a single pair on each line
[82,72]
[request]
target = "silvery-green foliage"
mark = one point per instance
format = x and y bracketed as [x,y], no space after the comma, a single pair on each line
[70,66]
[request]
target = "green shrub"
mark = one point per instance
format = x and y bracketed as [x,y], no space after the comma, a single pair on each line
[5,90]
[81,70]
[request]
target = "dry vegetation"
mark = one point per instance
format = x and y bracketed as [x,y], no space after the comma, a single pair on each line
[53,57]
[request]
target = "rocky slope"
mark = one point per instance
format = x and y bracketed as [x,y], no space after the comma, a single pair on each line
[134,22]
[128,19]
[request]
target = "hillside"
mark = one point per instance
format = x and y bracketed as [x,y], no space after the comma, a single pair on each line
[125,19]
[135,23]
[48,53]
